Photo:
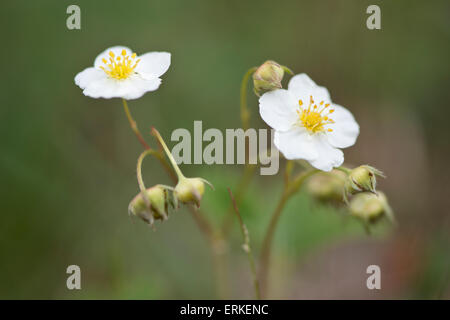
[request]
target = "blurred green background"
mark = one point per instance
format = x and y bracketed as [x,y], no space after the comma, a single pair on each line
[67,162]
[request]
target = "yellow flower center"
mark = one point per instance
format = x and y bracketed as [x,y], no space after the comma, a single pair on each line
[313,119]
[120,67]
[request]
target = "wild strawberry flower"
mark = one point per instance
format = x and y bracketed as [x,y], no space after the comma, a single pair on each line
[120,73]
[308,125]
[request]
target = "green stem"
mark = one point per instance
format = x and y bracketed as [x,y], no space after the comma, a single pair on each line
[139,167]
[169,154]
[290,188]
[245,114]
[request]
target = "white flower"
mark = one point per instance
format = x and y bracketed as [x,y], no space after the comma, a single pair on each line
[120,73]
[307,124]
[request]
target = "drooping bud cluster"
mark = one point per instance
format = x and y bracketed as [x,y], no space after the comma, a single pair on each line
[153,203]
[366,203]
[357,187]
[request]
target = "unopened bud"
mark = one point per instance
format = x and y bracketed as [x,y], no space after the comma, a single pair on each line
[267,77]
[190,190]
[363,178]
[150,209]
[327,186]
[370,207]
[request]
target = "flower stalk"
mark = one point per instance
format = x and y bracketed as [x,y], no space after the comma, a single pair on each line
[169,154]
[291,187]
[133,125]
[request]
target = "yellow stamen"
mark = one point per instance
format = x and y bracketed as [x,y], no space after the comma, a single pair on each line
[313,120]
[122,67]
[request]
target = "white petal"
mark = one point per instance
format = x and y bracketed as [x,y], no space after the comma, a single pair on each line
[295,144]
[139,86]
[277,109]
[132,88]
[328,156]
[345,129]
[89,75]
[153,64]
[117,50]
[302,87]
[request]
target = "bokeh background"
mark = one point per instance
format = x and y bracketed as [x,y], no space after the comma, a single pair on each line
[67,162]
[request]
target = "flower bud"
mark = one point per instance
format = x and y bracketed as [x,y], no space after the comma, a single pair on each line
[267,77]
[155,208]
[327,186]
[190,190]
[370,207]
[363,178]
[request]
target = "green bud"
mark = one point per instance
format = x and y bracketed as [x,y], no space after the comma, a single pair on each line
[363,178]
[267,77]
[156,206]
[370,207]
[190,190]
[327,186]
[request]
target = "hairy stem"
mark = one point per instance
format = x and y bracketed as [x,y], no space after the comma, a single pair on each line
[133,125]
[247,248]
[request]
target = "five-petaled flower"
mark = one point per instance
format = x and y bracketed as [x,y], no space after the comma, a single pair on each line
[307,124]
[120,73]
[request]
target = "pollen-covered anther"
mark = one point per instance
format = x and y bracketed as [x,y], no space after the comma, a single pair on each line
[312,119]
[120,67]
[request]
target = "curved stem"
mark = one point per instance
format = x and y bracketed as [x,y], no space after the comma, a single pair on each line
[168,153]
[245,114]
[290,188]
[141,180]
[139,167]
